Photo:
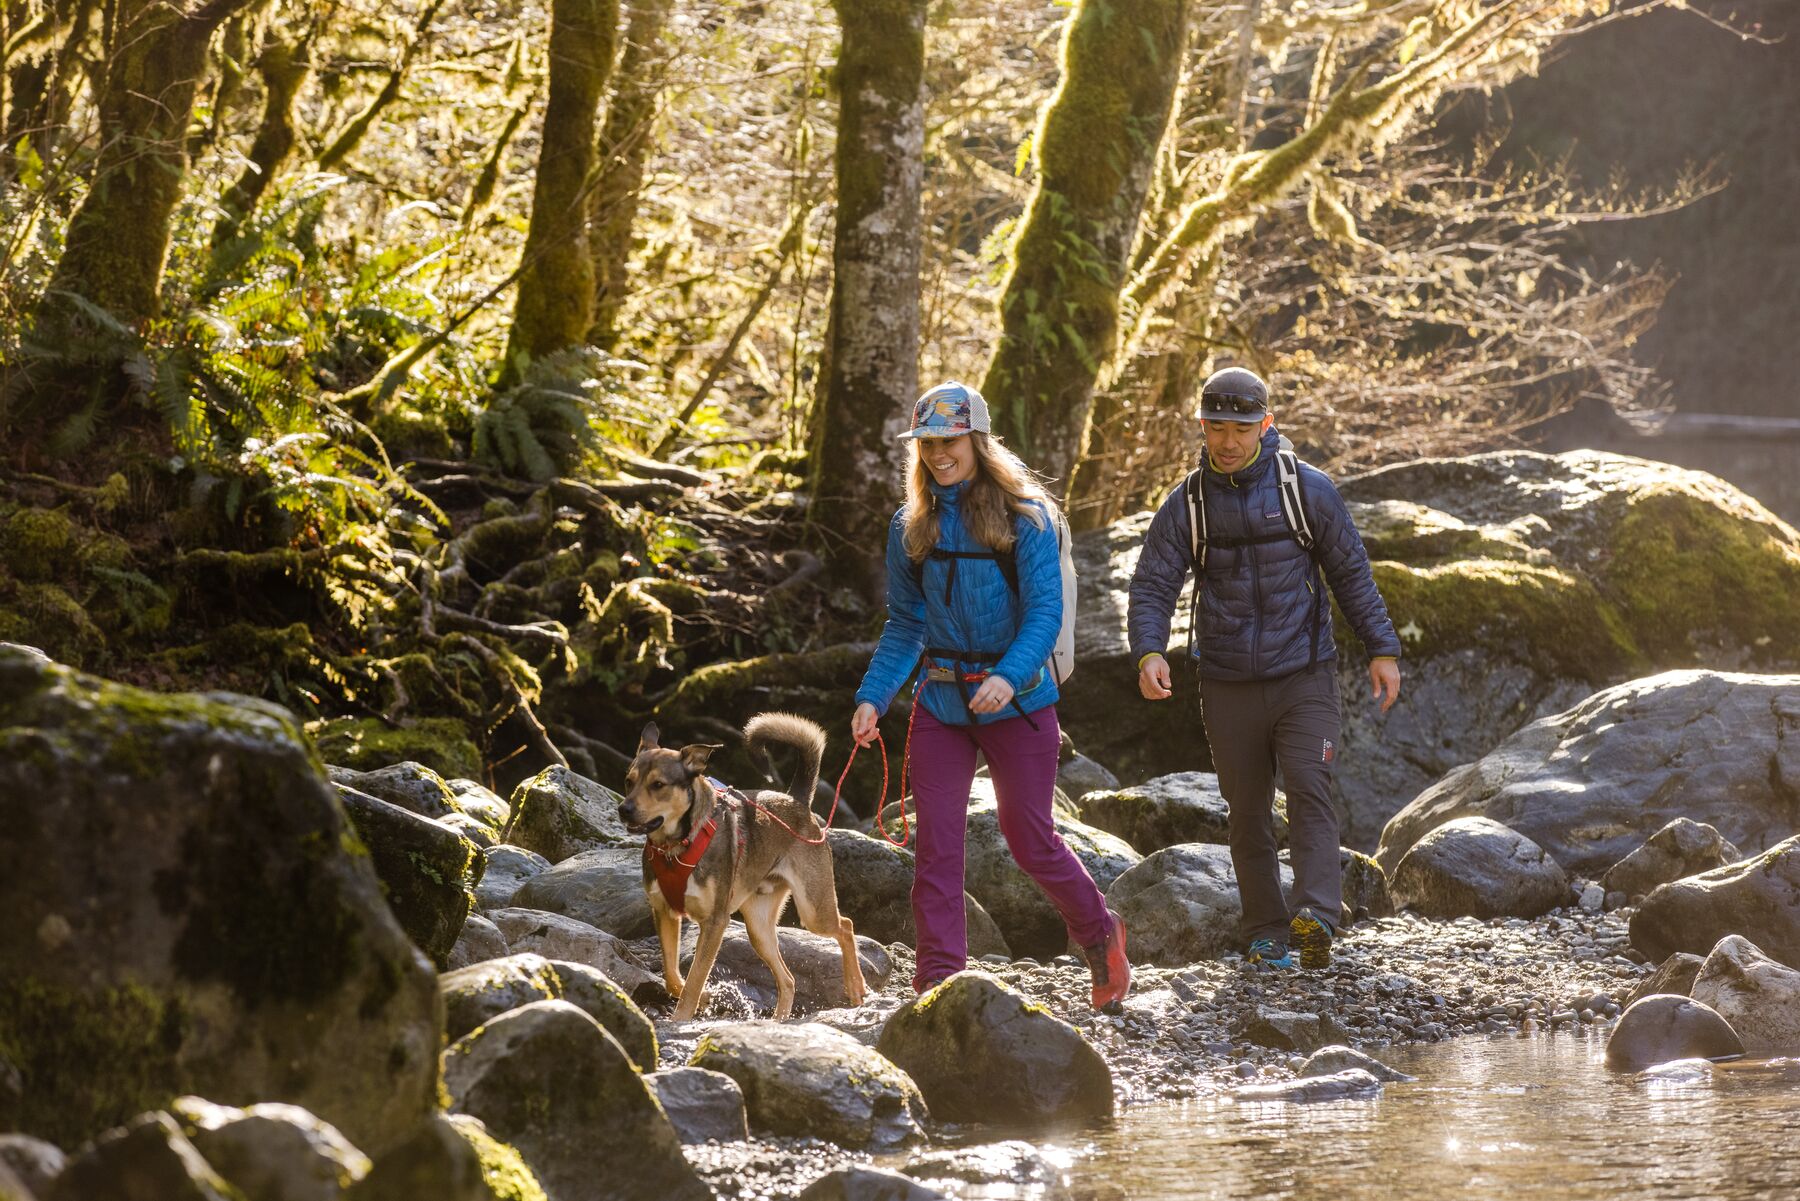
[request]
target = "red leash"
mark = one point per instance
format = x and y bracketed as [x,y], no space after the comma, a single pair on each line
[838,794]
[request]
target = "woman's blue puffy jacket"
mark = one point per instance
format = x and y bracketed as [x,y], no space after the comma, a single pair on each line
[1261,612]
[967,605]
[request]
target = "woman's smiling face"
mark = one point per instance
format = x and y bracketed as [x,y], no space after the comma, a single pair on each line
[950,460]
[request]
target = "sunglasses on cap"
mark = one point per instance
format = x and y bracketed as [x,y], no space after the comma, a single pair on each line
[1229,401]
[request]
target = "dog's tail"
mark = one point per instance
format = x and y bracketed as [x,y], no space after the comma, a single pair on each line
[790,730]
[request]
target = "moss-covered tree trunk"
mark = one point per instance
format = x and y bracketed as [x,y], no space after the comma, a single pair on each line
[1096,151]
[284,70]
[624,145]
[118,239]
[556,278]
[871,372]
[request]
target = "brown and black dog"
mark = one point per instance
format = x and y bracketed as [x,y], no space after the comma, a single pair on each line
[730,857]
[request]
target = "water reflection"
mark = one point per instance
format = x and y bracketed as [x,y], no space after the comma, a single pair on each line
[1518,1119]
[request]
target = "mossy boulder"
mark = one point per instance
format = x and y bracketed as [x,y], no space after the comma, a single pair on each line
[1758,898]
[806,1080]
[271,1152]
[557,937]
[189,911]
[603,887]
[508,867]
[559,813]
[368,743]
[1591,784]
[477,800]
[874,888]
[412,786]
[1181,904]
[475,995]
[428,871]
[148,1157]
[548,1080]
[450,1158]
[981,1052]
[1519,582]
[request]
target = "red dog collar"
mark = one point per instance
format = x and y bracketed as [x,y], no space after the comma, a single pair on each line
[673,866]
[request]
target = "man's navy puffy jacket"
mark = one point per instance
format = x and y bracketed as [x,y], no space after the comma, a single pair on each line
[1261,612]
[973,610]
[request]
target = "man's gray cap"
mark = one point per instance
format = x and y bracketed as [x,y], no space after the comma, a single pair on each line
[1234,394]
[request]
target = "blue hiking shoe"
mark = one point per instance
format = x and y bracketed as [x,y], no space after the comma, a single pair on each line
[1267,954]
[1313,934]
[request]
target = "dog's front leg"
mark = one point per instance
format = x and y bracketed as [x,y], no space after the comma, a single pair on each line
[712,937]
[668,932]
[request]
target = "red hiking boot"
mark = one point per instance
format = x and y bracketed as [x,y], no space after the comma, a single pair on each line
[1111,970]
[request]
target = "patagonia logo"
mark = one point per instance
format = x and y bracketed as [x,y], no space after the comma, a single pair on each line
[1330,752]
[1272,516]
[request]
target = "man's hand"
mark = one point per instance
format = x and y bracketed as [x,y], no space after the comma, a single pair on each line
[1384,676]
[1153,678]
[862,724]
[993,695]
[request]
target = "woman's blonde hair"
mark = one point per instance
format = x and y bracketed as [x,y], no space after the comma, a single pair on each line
[1001,487]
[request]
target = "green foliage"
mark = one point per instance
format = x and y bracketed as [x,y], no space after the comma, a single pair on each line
[563,410]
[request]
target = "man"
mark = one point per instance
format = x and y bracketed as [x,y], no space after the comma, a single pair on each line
[1263,643]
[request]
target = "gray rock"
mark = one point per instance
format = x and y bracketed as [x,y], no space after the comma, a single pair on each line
[476,832]
[1329,1060]
[182,939]
[412,786]
[1349,1084]
[1480,868]
[1674,976]
[428,871]
[480,802]
[32,1160]
[557,937]
[479,941]
[705,1106]
[981,1052]
[549,1081]
[1013,1161]
[147,1158]
[1758,898]
[1757,995]
[1027,920]
[558,814]
[868,1184]
[604,888]
[816,961]
[1286,1030]
[1181,905]
[508,867]
[1077,775]
[1592,784]
[591,991]
[272,1152]
[807,1079]
[1679,1071]
[1660,1028]
[1681,848]
[475,995]
[874,886]
[452,1157]
[1366,890]
[1170,810]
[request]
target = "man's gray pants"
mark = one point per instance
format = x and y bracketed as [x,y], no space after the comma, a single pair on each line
[1254,727]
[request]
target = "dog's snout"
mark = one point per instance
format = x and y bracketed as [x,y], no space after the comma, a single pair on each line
[628,814]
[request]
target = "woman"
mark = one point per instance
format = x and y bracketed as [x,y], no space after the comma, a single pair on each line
[975,587]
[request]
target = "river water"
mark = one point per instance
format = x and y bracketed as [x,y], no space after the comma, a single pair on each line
[1514,1119]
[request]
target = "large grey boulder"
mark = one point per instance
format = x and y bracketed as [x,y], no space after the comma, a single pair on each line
[1681,848]
[557,937]
[507,869]
[860,1183]
[428,871]
[549,1081]
[479,941]
[874,889]
[147,1159]
[1674,976]
[477,800]
[982,1052]
[1758,898]
[1478,868]
[412,786]
[805,1079]
[188,911]
[603,887]
[1170,810]
[1660,1028]
[476,995]
[1181,905]
[1026,918]
[450,1158]
[606,1001]
[272,1152]
[1287,1030]
[558,813]
[816,961]
[992,1166]
[1591,784]
[1757,995]
[705,1106]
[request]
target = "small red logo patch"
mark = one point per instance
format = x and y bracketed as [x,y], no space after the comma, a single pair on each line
[1330,751]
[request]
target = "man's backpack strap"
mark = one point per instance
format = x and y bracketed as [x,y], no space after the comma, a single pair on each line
[1196,507]
[1293,504]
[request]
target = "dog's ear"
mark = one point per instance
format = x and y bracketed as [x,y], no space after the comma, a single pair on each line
[694,756]
[647,740]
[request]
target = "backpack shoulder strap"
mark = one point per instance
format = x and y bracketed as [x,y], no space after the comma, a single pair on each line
[1196,507]
[1293,503]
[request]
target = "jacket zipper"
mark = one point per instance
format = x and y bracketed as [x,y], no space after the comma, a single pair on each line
[1255,581]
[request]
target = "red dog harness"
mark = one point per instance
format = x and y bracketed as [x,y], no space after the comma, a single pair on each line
[673,865]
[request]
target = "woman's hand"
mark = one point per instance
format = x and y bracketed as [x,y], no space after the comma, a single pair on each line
[993,695]
[862,724]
